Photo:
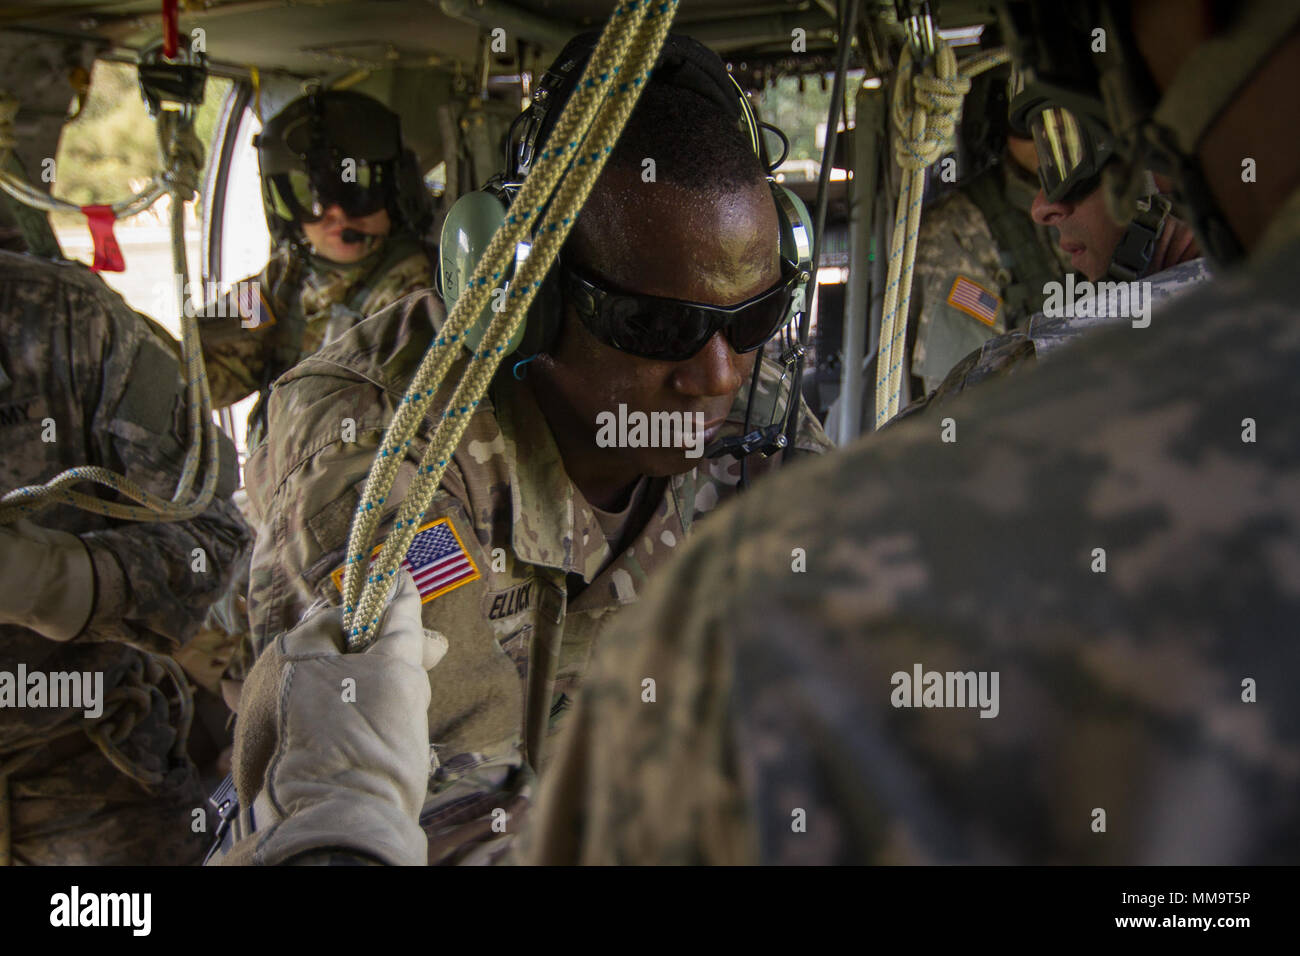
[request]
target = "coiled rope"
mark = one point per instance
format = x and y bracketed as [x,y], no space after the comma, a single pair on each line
[576,153]
[925,109]
[183,158]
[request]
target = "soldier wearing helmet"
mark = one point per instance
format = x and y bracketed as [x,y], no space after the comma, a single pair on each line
[347,209]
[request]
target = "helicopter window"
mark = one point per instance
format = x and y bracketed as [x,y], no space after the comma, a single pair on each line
[801,115]
[106,153]
[245,243]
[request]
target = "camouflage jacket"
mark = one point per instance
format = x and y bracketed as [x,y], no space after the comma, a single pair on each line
[540,580]
[79,367]
[967,286]
[1006,354]
[1146,713]
[267,323]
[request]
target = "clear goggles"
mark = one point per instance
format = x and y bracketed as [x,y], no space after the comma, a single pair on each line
[1071,152]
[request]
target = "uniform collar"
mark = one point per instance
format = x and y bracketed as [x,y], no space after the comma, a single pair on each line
[553,523]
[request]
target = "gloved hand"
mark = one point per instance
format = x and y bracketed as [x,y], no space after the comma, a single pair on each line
[332,749]
[47,581]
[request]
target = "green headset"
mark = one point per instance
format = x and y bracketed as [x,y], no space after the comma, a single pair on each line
[474,219]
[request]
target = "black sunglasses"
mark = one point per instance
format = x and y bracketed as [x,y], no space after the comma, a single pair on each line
[670,330]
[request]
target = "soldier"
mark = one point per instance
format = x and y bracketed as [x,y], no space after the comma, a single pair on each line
[979,237]
[1155,247]
[981,262]
[1116,541]
[86,381]
[546,532]
[347,208]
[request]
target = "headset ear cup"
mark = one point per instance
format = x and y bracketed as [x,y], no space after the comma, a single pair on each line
[796,226]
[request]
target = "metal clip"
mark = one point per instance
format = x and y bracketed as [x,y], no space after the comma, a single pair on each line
[919,24]
[179,81]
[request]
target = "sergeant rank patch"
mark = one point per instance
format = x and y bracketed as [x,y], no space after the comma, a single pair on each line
[437,560]
[975,300]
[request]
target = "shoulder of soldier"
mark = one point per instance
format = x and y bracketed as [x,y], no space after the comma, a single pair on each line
[70,294]
[1044,466]
[357,381]
[954,214]
[1176,279]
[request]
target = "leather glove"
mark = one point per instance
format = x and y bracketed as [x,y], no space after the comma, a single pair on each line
[332,749]
[47,580]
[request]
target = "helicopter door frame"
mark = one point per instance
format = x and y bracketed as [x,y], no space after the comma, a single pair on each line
[225,138]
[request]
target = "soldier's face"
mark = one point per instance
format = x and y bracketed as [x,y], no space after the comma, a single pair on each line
[662,240]
[326,236]
[1087,233]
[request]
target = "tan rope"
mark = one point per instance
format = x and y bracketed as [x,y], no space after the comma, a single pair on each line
[925,109]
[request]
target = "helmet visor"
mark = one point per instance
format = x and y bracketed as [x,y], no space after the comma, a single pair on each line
[358,187]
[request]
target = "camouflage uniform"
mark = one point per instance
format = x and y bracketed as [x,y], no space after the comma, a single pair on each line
[249,341]
[71,351]
[1120,691]
[544,578]
[957,242]
[1008,353]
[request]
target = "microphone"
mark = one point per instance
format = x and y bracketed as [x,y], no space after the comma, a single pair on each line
[351,236]
[764,441]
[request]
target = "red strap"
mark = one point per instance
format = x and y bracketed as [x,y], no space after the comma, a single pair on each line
[108,254]
[169,43]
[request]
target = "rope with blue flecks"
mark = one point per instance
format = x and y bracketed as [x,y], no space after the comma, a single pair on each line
[584,137]
[925,109]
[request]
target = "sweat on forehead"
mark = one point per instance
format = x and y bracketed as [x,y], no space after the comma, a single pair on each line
[625,219]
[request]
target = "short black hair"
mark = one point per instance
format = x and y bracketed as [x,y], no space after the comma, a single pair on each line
[693,142]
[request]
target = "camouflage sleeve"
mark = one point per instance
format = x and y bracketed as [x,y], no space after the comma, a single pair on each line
[153,581]
[304,483]
[997,358]
[234,331]
[1046,642]
[303,501]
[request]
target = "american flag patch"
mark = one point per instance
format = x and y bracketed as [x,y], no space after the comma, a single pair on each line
[253,313]
[974,300]
[436,559]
